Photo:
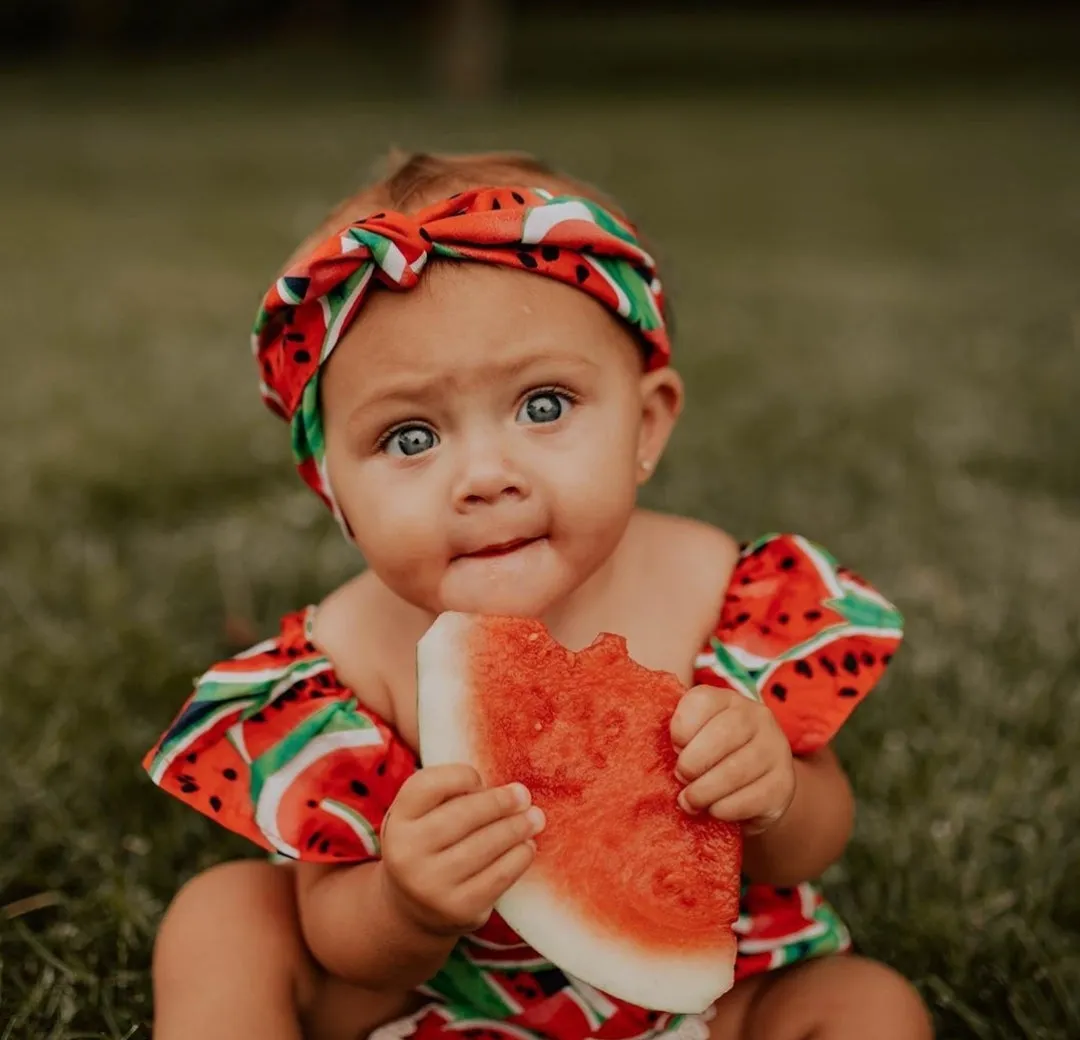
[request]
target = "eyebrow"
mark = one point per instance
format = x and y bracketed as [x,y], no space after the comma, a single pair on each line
[410,391]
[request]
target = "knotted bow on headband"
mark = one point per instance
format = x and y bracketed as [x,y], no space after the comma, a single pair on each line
[309,309]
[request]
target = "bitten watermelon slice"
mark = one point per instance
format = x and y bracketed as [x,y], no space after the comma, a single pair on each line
[627,892]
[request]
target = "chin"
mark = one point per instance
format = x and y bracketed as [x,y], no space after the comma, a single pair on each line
[511,588]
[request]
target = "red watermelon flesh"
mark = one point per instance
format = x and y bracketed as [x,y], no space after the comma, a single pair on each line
[627,892]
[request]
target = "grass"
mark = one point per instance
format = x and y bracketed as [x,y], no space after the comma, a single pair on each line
[878,317]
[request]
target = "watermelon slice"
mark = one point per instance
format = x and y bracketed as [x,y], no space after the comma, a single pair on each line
[627,892]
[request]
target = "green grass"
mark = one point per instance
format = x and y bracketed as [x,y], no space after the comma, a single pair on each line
[878,316]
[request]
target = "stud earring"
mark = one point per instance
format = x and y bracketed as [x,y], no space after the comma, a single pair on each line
[646,465]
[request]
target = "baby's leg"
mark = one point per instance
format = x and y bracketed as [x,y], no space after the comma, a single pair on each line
[230,963]
[830,998]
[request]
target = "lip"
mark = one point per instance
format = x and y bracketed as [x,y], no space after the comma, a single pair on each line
[497,549]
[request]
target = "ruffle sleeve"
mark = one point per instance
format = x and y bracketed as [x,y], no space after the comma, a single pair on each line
[273,746]
[804,635]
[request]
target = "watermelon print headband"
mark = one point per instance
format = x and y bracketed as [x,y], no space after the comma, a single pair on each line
[308,309]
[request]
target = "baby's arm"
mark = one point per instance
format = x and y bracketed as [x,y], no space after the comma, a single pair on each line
[450,848]
[356,933]
[812,833]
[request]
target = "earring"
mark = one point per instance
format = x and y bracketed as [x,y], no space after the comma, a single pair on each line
[646,465]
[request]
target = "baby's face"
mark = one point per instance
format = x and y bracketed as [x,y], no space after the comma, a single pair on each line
[484,436]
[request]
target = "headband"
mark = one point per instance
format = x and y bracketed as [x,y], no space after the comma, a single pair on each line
[308,309]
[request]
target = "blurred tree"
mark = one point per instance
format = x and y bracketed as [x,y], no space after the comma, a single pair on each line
[470,48]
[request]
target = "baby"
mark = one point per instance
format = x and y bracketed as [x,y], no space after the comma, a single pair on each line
[473,357]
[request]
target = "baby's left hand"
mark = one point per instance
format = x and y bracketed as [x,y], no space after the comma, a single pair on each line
[733,757]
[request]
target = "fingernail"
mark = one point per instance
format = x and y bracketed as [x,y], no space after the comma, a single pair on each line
[685,805]
[536,819]
[678,776]
[520,794]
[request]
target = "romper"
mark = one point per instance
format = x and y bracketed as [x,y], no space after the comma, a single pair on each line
[273,746]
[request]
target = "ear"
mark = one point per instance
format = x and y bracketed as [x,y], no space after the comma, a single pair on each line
[661,403]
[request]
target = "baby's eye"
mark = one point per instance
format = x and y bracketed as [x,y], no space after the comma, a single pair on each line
[544,407]
[410,440]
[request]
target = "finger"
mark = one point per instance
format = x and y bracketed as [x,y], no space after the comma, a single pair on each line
[694,709]
[430,787]
[482,890]
[723,734]
[757,801]
[736,771]
[482,848]
[449,823]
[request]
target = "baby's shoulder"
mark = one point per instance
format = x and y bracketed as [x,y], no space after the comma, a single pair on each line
[359,628]
[686,565]
[688,550]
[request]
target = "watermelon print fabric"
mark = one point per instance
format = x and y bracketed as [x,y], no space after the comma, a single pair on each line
[308,309]
[272,745]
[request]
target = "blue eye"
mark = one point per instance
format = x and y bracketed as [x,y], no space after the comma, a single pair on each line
[410,440]
[544,407]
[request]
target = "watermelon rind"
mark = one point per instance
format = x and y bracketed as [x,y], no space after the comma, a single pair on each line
[682,983]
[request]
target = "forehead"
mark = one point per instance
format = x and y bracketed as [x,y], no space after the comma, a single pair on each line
[470,318]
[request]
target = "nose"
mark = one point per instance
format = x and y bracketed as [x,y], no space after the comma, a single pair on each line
[487,475]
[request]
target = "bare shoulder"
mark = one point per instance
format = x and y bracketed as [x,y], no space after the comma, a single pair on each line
[684,540]
[346,629]
[697,556]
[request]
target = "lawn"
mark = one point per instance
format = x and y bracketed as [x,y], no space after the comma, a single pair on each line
[879,322]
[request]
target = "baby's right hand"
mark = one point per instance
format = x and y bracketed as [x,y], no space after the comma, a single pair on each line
[451,847]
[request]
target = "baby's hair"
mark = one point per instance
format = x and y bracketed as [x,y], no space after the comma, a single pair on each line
[409,181]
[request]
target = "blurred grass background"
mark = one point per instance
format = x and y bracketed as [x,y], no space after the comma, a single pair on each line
[873,245]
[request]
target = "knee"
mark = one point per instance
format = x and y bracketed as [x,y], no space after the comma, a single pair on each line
[887,999]
[220,916]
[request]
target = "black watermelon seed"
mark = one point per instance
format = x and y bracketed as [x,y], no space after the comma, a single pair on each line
[783,619]
[886,658]
[743,617]
[812,615]
[189,788]
[302,357]
[765,630]
[229,773]
[803,668]
[827,664]
[851,663]
[848,691]
[527,259]
[785,893]
[779,691]
[294,337]
[215,803]
[359,788]
[549,252]
[745,580]
[315,835]
[787,563]
[324,845]
[380,769]
[496,204]
[193,757]
[581,272]
[312,804]
[519,199]
[424,235]
[867,658]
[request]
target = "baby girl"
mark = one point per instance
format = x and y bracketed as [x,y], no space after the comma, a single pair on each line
[473,357]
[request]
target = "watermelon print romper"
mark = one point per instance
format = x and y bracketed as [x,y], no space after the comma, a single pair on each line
[272,745]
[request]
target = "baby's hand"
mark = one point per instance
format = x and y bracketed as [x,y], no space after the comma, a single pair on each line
[451,847]
[733,757]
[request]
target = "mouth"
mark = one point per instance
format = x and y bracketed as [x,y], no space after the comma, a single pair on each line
[497,549]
